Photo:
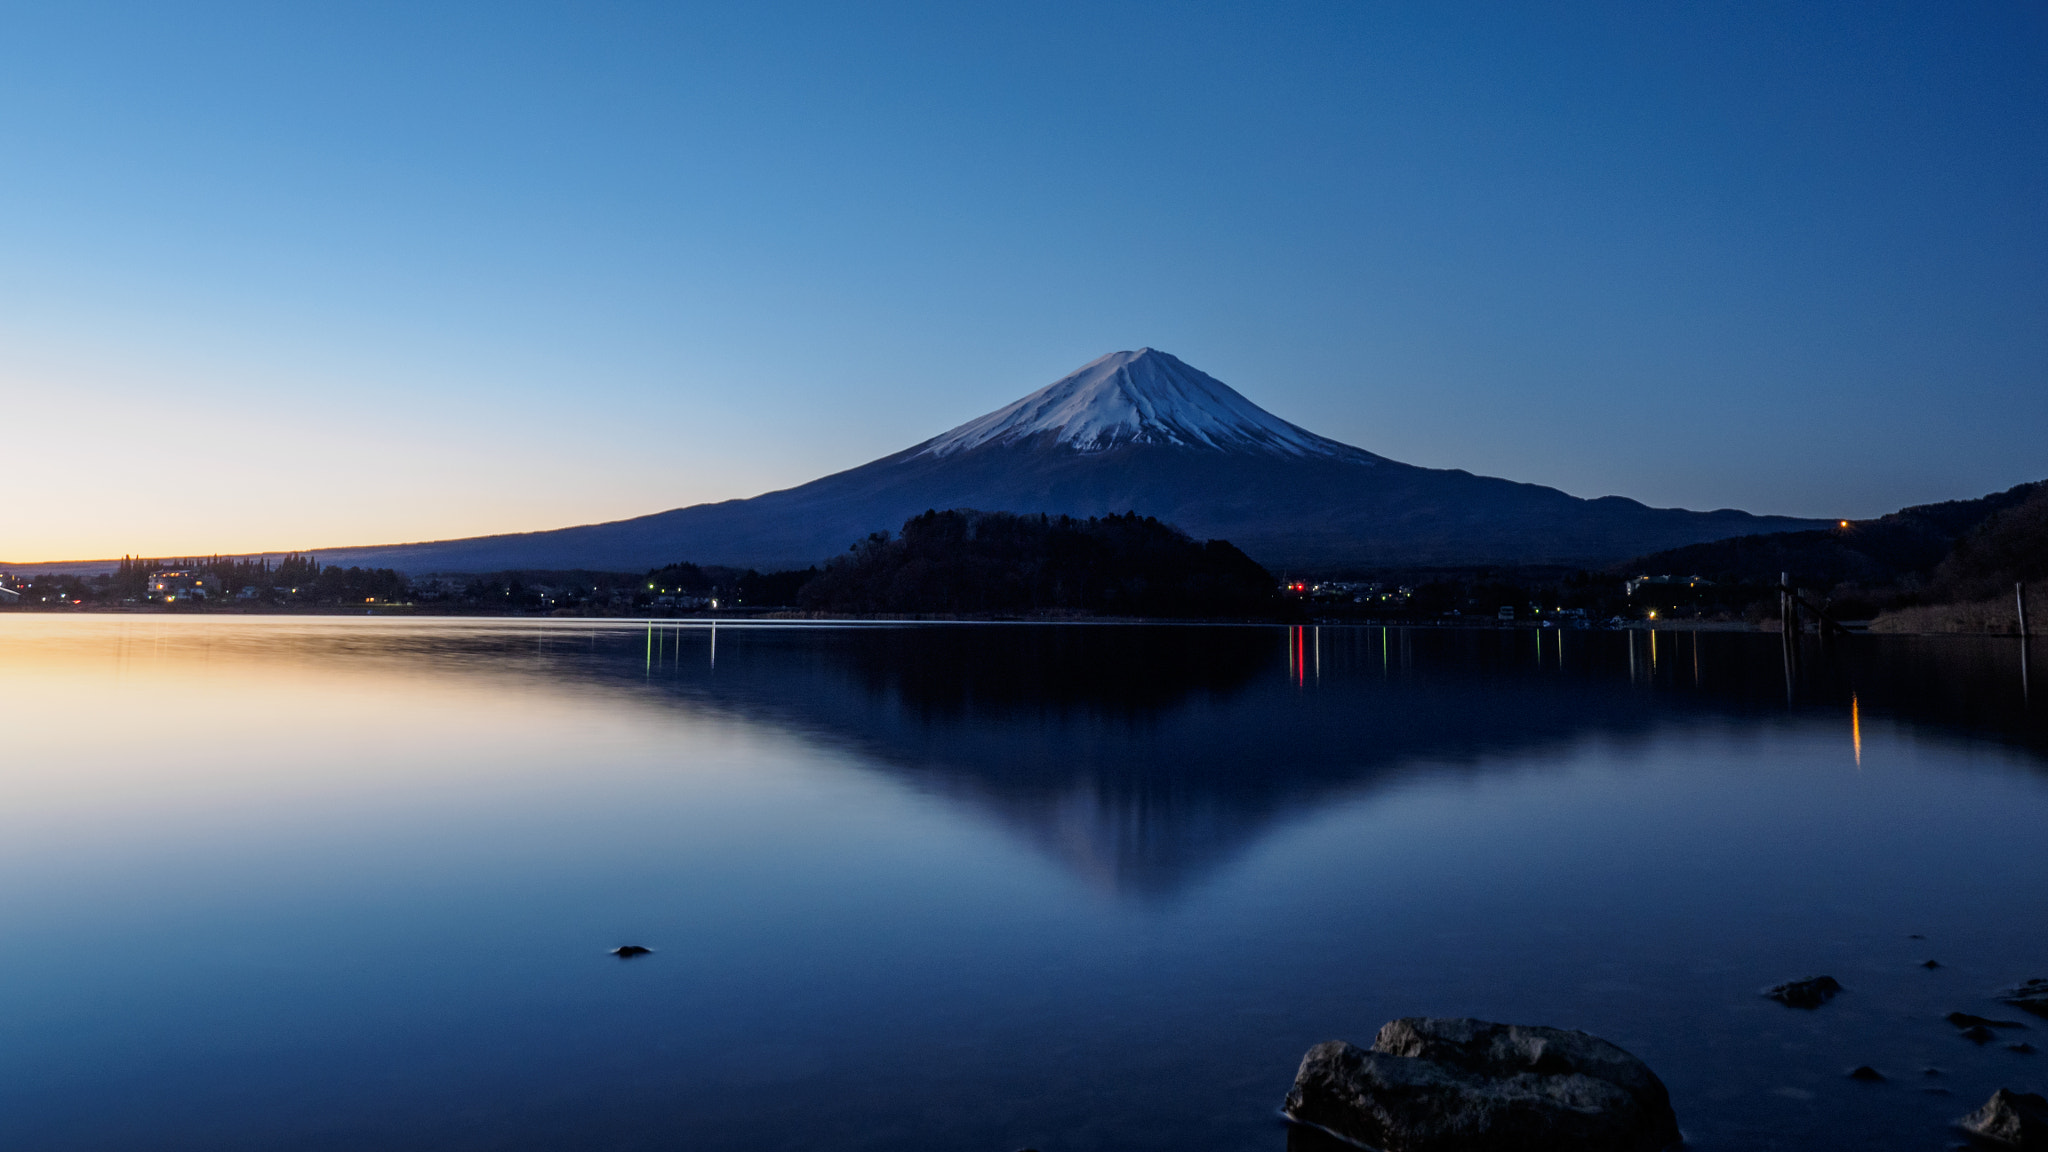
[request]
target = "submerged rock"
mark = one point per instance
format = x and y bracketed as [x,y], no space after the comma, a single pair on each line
[1809,993]
[1460,1085]
[2032,996]
[2014,1119]
[1932,964]
[1867,1073]
[1979,1034]
[2023,1048]
[1965,1020]
[628,951]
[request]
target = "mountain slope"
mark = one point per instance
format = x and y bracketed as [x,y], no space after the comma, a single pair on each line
[1131,431]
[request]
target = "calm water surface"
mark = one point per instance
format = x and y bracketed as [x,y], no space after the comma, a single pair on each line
[345,884]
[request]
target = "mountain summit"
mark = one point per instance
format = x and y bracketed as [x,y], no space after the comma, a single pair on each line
[1142,397]
[1132,431]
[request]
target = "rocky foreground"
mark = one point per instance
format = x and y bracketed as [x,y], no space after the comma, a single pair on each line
[1461,1085]
[1432,1084]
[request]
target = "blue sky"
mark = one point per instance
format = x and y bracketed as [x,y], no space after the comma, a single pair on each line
[293,276]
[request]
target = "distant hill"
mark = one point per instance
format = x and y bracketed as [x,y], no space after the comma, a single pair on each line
[2009,545]
[1935,567]
[1909,544]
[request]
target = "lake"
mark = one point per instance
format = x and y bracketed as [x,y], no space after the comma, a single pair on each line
[329,883]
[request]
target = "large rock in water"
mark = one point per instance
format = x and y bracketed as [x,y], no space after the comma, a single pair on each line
[2014,1119]
[1440,1085]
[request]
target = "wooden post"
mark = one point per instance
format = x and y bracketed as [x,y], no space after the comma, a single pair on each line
[1785,640]
[1788,625]
[2019,595]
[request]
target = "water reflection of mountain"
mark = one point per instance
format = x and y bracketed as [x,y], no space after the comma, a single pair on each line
[1145,756]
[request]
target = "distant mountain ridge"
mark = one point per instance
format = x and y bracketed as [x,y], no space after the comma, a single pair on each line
[1130,431]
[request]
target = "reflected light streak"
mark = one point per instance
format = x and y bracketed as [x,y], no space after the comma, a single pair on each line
[1298,655]
[1856,728]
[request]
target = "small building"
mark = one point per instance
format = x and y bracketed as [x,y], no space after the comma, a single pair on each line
[1506,613]
[173,586]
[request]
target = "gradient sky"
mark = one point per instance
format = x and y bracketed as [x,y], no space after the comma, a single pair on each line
[287,276]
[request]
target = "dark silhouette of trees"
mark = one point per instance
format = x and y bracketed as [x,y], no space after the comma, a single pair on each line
[2009,545]
[964,561]
[731,587]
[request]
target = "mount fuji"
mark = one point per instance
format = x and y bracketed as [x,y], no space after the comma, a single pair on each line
[1132,431]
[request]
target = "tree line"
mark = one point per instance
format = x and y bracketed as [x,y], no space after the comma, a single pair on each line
[294,579]
[954,562]
[971,562]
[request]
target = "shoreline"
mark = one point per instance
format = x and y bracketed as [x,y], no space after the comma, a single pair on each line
[789,616]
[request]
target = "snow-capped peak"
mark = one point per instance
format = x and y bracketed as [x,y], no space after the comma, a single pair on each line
[1142,397]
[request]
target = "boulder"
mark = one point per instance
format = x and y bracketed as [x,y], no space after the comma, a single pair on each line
[628,951]
[2014,1119]
[1866,1073]
[1809,993]
[1459,1085]
[2032,996]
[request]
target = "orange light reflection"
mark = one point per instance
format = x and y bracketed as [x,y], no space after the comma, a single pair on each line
[1856,729]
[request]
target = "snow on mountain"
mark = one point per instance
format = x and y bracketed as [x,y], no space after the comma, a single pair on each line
[1142,397]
